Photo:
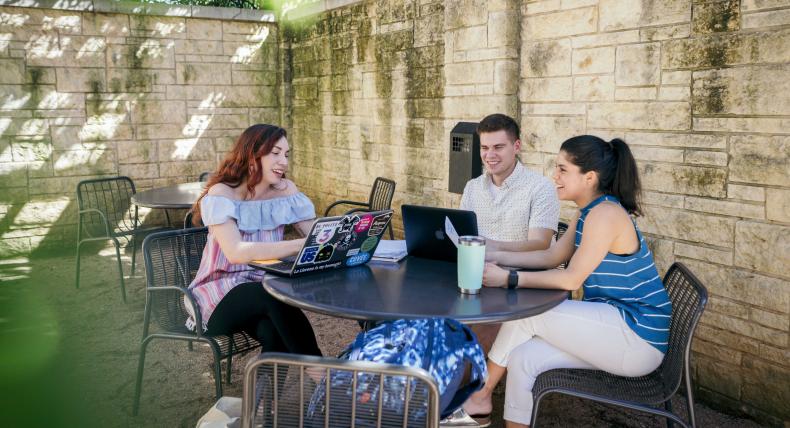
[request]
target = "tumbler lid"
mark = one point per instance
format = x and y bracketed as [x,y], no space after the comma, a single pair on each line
[471,240]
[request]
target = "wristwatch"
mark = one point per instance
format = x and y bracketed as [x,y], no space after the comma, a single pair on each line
[512,280]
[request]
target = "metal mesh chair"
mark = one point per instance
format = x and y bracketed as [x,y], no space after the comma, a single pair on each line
[204,176]
[105,212]
[172,259]
[286,390]
[645,393]
[380,199]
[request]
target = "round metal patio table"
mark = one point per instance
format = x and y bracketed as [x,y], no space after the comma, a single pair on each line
[170,197]
[413,288]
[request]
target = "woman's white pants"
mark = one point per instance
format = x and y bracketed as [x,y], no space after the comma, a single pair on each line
[574,334]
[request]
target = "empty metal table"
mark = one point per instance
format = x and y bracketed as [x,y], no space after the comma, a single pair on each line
[178,196]
[413,288]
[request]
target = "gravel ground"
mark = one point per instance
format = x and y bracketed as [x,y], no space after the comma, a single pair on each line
[69,356]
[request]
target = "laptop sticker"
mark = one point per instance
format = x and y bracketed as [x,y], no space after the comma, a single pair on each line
[325,253]
[369,244]
[346,241]
[379,223]
[325,231]
[352,252]
[364,223]
[308,255]
[358,259]
[348,223]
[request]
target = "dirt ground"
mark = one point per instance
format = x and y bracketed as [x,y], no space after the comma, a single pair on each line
[68,356]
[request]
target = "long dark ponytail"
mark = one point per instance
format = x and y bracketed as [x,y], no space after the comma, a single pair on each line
[614,164]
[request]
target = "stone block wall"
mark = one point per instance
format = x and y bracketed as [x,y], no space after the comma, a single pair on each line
[111,88]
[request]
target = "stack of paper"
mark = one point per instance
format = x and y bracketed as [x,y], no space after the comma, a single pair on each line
[390,251]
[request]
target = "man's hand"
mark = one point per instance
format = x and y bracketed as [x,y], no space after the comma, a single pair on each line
[494,276]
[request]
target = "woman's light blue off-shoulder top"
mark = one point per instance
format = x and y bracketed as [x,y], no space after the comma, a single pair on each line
[266,214]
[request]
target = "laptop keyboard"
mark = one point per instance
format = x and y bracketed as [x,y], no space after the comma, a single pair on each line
[285,264]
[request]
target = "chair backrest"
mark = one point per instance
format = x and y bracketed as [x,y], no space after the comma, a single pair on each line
[204,176]
[113,197]
[381,194]
[172,259]
[280,390]
[689,298]
[562,227]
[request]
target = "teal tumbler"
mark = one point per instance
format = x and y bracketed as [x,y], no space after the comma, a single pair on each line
[471,261]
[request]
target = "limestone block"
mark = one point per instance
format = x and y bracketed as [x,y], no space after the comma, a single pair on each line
[141,53]
[674,93]
[762,125]
[760,160]
[760,388]
[24,127]
[706,254]
[159,112]
[688,226]
[662,250]
[636,94]
[656,34]
[640,115]
[469,73]
[680,77]
[203,74]
[157,26]
[662,199]
[503,29]
[100,130]
[505,78]
[102,24]
[465,13]
[728,208]
[593,60]
[709,375]
[766,19]
[762,247]
[139,171]
[186,149]
[475,107]
[85,162]
[689,180]
[727,49]
[560,24]
[137,151]
[81,80]
[593,88]
[747,328]
[746,193]
[56,57]
[777,204]
[546,134]
[729,307]
[742,91]
[605,39]
[617,15]
[638,65]
[547,89]
[31,151]
[428,30]
[12,71]
[659,154]
[714,351]
[774,354]
[727,339]
[182,169]
[470,38]
[756,5]
[715,17]
[706,158]
[546,58]
[204,29]
[549,109]
[249,96]
[543,6]
[769,319]
[205,47]
[703,141]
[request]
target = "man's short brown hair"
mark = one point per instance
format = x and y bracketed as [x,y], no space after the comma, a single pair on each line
[499,122]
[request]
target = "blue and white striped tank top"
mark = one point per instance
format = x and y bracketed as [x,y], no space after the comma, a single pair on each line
[631,284]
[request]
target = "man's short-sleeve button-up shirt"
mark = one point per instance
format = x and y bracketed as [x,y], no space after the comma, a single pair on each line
[525,200]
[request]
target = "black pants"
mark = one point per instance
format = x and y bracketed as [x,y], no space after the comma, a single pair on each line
[279,327]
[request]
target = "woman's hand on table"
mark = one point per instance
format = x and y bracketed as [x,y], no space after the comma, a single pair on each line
[494,276]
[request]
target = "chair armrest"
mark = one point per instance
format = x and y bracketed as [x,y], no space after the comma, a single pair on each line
[362,204]
[356,210]
[195,308]
[103,216]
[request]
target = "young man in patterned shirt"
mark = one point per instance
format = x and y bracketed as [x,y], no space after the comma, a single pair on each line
[517,209]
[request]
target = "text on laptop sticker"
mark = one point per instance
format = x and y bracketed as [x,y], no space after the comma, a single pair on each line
[364,223]
[379,223]
[358,259]
[348,223]
[325,231]
[308,255]
[325,253]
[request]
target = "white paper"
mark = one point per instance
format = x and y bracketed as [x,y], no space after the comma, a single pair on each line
[449,229]
[390,248]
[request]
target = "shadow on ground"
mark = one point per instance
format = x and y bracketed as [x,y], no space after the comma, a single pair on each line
[68,356]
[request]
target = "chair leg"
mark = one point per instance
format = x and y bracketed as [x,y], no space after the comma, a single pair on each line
[690,399]
[120,268]
[535,405]
[77,281]
[134,252]
[217,369]
[668,408]
[230,360]
[140,368]
[189,345]
[392,235]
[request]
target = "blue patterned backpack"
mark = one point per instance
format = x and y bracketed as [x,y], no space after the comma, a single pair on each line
[440,346]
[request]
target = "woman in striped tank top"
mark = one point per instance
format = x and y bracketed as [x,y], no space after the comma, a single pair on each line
[246,205]
[622,324]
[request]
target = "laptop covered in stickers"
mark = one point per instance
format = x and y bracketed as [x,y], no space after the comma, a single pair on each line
[333,243]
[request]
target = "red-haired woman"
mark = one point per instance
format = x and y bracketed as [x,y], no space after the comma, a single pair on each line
[246,205]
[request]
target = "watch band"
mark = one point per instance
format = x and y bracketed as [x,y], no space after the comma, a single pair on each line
[512,280]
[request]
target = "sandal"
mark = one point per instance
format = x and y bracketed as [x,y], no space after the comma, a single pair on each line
[460,418]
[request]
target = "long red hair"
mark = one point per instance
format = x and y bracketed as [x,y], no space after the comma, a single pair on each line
[243,163]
